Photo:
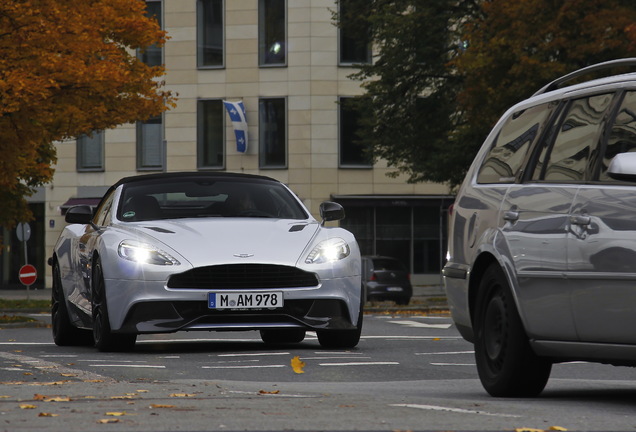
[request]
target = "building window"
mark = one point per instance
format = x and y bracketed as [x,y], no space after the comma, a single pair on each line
[210,33]
[153,54]
[353,154]
[354,47]
[272,33]
[412,230]
[150,152]
[210,134]
[272,133]
[90,152]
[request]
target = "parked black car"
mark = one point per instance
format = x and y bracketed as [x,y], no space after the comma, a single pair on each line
[386,278]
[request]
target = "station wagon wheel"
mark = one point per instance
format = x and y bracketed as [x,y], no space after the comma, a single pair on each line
[104,338]
[283,336]
[506,364]
[64,332]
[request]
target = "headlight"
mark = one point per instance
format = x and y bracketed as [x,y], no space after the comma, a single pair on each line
[144,253]
[329,251]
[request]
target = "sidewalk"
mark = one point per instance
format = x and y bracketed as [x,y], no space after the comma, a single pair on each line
[22,294]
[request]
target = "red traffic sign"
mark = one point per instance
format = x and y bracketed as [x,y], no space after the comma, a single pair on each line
[28,275]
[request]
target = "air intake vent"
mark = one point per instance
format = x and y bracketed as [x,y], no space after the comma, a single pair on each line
[243,276]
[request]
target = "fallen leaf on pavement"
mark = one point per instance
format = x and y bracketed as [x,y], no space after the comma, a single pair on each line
[106,421]
[161,406]
[182,395]
[27,406]
[297,365]
[43,414]
[268,392]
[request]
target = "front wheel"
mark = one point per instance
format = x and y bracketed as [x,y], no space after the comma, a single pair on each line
[105,339]
[342,338]
[506,364]
[64,332]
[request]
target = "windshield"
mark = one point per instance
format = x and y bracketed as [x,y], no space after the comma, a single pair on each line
[206,197]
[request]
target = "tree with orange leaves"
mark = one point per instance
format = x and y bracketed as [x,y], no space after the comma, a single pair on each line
[68,68]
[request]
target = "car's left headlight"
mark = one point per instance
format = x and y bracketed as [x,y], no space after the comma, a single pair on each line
[145,253]
[330,250]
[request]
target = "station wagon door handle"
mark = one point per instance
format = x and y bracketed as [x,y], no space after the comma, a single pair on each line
[580,220]
[511,215]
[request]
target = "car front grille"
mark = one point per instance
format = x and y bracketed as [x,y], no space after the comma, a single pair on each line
[243,276]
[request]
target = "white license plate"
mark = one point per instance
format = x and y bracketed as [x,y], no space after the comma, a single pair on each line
[245,300]
[394,289]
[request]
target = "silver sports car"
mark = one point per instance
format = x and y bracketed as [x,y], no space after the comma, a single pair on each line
[204,251]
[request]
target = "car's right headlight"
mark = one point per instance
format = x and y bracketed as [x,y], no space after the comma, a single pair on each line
[145,253]
[330,250]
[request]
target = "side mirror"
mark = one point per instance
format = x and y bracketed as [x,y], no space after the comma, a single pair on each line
[330,211]
[81,214]
[623,167]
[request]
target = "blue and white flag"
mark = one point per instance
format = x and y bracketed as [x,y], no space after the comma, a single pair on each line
[236,110]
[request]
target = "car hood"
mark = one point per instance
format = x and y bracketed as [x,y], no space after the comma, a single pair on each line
[233,240]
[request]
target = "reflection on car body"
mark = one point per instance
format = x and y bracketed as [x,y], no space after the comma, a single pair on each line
[204,251]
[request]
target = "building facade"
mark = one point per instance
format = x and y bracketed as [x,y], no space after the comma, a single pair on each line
[289,65]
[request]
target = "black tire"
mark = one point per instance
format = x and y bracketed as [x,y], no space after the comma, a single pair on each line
[64,332]
[283,336]
[402,301]
[342,338]
[506,364]
[105,340]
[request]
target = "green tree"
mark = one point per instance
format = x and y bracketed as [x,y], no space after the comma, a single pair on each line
[409,101]
[445,70]
[515,47]
[68,68]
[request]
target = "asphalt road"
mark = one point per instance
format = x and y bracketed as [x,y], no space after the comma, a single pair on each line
[408,373]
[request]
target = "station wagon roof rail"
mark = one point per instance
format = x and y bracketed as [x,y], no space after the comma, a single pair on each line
[586,71]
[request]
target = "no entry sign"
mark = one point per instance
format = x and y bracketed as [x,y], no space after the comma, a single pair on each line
[27,275]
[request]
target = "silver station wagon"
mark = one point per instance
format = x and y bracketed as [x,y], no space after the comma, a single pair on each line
[542,245]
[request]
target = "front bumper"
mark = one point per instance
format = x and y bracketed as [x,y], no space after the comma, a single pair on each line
[137,306]
[162,316]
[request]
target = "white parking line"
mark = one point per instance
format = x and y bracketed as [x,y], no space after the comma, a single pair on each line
[453,364]
[359,364]
[251,354]
[453,410]
[415,324]
[402,337]
[243,367]
[129,366]
[447,353]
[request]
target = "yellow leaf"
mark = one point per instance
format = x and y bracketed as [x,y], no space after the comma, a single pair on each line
[116,414]
[268,392]
[527,429]
[27,406]
[182,395]
[297,364]
[557,428]
[121,397]
[161,406]
[106,421]
[68,375]
[27,373]
[43,414]
[58,399]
